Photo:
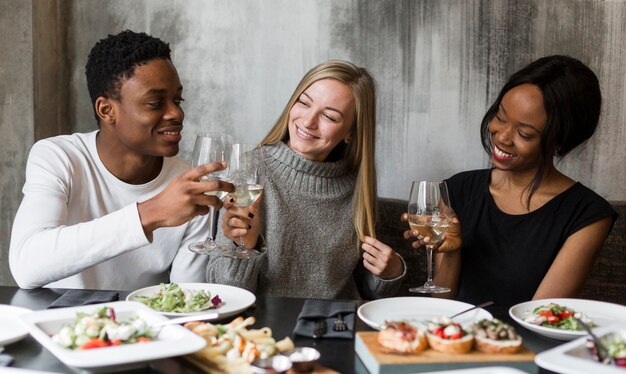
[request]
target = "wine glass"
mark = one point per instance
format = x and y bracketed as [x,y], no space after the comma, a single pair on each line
[211,147]
[247,173]
[429,212]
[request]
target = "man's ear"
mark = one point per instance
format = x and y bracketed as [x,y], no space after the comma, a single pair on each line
[105,110]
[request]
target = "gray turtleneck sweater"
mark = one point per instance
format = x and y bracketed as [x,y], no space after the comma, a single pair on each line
[311,249]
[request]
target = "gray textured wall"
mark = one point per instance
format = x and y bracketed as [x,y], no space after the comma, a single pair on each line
[438,65]
[16,120]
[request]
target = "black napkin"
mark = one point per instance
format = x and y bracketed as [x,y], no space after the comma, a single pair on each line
[82,297]
[314,310]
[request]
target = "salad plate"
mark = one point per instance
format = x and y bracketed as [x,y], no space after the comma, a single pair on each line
[575,357]
[233,299]
[171,340]
[417,309]
[599,312]
[10,328]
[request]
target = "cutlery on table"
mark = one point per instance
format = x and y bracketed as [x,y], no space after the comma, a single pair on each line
[340,324]
[191,318]
[320,328]
[481,305]
[601,350]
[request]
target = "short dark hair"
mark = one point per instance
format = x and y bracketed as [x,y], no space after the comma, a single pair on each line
[571,99]
[113,60]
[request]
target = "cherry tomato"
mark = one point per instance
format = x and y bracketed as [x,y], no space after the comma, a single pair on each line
[565,314]
[553,319]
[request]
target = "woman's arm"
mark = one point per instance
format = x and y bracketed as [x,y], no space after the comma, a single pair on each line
[571,267]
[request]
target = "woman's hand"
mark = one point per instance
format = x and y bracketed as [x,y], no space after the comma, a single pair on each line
[451,240]
[380,259]
[238,223]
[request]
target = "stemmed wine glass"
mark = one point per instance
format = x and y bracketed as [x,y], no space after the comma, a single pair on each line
[429,212]
[211,147]
[247,173]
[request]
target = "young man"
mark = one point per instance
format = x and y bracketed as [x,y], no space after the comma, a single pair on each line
[114,208]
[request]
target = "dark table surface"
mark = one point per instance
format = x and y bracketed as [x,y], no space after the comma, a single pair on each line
[280,314]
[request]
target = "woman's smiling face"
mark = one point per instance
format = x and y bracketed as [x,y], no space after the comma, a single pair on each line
[321,118]
[516,129]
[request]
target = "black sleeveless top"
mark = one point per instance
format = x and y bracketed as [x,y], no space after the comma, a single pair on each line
[505,257]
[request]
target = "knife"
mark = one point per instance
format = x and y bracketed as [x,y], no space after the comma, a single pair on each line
[320,328]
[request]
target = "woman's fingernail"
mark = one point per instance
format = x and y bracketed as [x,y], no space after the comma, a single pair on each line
[250,215]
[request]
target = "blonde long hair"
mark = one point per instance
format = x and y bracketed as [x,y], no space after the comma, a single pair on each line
[360,152]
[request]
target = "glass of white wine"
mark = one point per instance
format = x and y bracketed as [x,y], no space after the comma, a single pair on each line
[211,147]
[430,213]
[247,173]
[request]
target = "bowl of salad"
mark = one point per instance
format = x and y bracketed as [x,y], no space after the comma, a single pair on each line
[110,336]
[555,318]
[187,299]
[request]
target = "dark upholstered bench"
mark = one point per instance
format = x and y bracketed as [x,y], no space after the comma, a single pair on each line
[607,281]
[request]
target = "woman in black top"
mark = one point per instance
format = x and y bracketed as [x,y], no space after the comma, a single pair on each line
[527,230]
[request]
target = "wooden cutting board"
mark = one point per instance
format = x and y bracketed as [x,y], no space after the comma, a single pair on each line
[379,360]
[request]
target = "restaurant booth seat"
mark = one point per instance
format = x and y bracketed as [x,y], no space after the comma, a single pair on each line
[607,281]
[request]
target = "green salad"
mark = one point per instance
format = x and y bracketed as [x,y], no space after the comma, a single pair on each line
[172,298]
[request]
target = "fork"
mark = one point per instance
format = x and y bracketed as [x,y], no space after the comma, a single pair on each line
[320,328]
[601,350]
[340,324]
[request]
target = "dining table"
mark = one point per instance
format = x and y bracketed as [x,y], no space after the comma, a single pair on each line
[278,313]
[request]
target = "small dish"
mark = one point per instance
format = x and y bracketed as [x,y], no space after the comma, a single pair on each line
[601,314]
[302,358]
[10,328]
[234,299]
[273,364]
[417,309]
[576,358]
[172,340]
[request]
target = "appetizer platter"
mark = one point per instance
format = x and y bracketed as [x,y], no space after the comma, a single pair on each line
[438,342]
[186,299]
[109,336]
[553,318]
[237,348]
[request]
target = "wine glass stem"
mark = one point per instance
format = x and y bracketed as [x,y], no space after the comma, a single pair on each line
[429,258]
[213,221]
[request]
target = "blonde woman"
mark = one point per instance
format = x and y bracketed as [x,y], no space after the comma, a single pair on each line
[316,217]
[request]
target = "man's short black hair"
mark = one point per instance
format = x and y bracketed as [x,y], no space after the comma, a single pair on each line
[113,60]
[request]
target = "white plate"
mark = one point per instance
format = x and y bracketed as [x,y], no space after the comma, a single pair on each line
[10,328]
[600,313]
[417,309]
[483,370]
[234,299]
[575,358]
[173,340]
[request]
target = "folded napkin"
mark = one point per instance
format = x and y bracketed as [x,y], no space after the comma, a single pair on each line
[314,310]
[82,297]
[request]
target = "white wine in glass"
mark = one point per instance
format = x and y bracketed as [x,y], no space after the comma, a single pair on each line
[247,173]
[211,147]
[430,213]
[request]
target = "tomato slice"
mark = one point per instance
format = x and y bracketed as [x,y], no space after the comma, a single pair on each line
[94,343]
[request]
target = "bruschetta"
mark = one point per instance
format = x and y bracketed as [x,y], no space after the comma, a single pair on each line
[495,336]
[402,337]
